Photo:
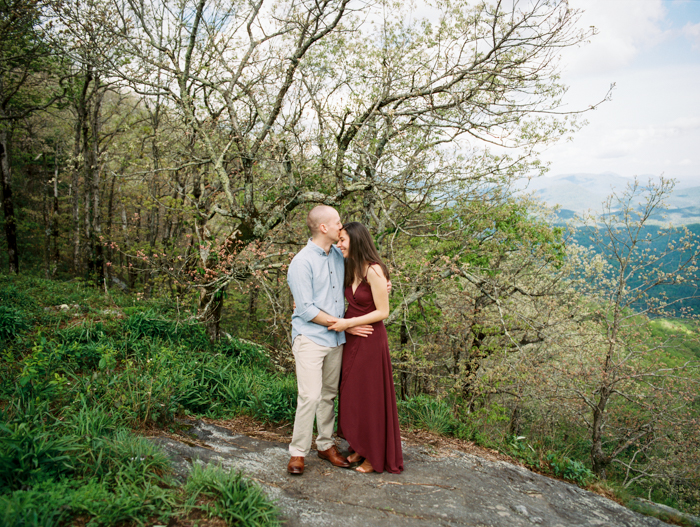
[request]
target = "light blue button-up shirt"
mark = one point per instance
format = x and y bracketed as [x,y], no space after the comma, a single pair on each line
[316,280]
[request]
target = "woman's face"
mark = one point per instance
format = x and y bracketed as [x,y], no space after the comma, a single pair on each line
[344,243]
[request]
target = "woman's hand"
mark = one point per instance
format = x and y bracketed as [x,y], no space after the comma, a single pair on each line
[340,324]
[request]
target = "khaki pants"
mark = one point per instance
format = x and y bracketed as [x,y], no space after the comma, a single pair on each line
[318,371]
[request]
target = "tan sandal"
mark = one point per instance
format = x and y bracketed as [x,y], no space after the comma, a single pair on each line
[365,468]
[355,458]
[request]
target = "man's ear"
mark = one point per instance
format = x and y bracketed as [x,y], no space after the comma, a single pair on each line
[323,228]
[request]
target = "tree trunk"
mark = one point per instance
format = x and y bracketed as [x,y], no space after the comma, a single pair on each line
[211,305]
[55,255]
[108,233]
[252,300]
[91,131]
[598,457]
[8,207]
[75,198]
[131,272]
[403,375]
[97,263]
[514,425]
[79,146]
[87,224]
[47,216]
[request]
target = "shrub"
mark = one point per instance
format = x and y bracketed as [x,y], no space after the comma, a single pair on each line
[517,447]
[83,333]
[235,499]
[12,323]
[11,296]
[275,399]
[43,368]
[51,503]
[44,505]
[31,454]
[144,392]
[149,324]
[429,413]
[246,352]
[570,469]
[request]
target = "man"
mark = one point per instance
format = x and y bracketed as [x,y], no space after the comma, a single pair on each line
[316,277]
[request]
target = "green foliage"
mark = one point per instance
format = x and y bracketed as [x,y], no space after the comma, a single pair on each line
[245,352]
[44,505]
[519,448]
[13,296]
[222,386]
[666,516]
[424,411]
[49,503]
[31,454]
[85,332]
[682,336]
[570,469]
[65,450]
[149,324]
[235,499]
[12,323]
[274,400]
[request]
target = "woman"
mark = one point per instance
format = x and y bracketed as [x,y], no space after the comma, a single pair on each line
[367,401]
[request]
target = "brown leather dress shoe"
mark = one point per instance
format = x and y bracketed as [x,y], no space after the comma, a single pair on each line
[296,465]
[334,457]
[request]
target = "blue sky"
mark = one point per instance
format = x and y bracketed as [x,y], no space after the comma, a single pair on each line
[651,50]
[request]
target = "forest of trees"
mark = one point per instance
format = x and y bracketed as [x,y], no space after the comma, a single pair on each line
[172,150]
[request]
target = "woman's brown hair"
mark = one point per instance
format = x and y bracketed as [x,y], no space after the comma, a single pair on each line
[362,251]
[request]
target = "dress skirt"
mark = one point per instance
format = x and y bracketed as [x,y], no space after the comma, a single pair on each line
[368,418]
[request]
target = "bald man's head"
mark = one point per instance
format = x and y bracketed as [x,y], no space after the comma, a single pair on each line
[320,215]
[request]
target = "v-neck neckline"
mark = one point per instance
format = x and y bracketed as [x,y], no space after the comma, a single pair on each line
[354,290]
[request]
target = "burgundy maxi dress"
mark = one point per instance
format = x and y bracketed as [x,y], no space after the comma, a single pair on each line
[367,401]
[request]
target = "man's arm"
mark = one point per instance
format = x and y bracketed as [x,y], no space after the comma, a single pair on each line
[299,278]
[300,281]
[325,319]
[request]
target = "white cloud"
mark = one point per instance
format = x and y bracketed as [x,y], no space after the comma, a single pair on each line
[612,153]
[692,32]
[625,28]
[685,123]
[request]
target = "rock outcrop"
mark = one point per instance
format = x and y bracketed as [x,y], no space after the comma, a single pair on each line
[436,488]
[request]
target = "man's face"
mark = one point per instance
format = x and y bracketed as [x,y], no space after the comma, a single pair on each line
[333,226]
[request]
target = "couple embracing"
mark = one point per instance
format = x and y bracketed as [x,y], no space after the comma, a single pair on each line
[342,352]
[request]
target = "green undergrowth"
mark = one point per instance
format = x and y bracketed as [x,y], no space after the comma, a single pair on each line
[82,374]
[438,416]
[230,496]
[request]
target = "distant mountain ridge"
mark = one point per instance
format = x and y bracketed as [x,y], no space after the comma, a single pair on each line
[578,193]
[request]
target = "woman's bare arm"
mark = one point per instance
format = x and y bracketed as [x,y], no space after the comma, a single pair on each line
[380,295]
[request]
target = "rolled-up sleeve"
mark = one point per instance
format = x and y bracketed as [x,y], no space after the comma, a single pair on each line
[300,280]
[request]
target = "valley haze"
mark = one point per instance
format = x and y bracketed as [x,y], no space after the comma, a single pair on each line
[582,192]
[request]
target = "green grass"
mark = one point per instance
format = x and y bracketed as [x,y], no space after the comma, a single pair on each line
[231,496]
[78,385]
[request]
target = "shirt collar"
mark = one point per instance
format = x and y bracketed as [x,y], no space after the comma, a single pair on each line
[315,248]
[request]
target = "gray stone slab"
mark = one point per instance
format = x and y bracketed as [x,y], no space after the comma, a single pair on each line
[441,490]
